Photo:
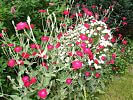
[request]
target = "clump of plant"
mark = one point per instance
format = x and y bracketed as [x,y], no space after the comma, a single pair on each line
[68,60]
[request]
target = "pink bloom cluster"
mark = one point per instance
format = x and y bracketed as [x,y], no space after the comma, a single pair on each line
[27,82]
[84,46]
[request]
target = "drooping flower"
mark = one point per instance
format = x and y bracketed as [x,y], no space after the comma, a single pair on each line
[42,93]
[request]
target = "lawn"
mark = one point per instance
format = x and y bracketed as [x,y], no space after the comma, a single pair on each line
[121,88]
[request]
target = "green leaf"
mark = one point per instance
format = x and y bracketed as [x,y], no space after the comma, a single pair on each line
[15,97]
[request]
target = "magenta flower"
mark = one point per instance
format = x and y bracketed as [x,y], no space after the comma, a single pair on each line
[59,36]
[33,80]
[25,79]
[113,40]
[42,93]
[50,47]
[87,50]
[87,25]
[124,42]
[113,55]
[27,84]
[25,55]
[11,63]
[83,37]
[21,26]
[66,12]
[87,74]
[80,14]
[77,64]
[45,65]
[45,38]
[42,11]
[33,46]
[28,27]
[97,75]
[79,53]
[57,45]
[83,45]
[1,35]
[69,81]
[124,18]
[103,58]
[17,49]
[10,45]
[90,40]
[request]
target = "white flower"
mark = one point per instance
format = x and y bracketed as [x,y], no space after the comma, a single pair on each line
[89,45]
[97,66]
[91,31]
[67,59]
[99,28]
[106,31]
[90,62]
[95,33]
[105,50]
[88,31]
[92,24]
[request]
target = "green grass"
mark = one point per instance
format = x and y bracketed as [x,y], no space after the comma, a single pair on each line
[121,88]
